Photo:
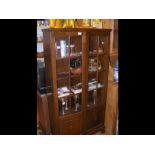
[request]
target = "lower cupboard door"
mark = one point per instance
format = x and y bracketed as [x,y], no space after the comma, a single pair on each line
[71,126]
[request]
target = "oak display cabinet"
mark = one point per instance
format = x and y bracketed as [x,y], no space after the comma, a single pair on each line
[77,60]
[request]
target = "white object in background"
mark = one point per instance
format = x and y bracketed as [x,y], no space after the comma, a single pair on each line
[39,34]
[40,47]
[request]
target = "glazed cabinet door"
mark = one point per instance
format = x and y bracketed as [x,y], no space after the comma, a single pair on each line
[68,47]
[69,79]
[97,78]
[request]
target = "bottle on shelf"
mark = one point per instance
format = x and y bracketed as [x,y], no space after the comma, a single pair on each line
[77,105]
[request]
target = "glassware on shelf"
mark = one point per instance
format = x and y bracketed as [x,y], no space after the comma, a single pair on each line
[94,96]
[66,108]
[63,104]
[77,104]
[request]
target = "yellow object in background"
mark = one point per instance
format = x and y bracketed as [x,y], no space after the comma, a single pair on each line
[58,23]
[52,23]
[96,23]
[69,23]
[86,23]
[76,23]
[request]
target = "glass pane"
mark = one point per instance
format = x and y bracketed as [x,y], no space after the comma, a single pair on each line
[102,59]
[96,70]
[92,71]
[69,73]
[76,72]
[62,70]
[63,85]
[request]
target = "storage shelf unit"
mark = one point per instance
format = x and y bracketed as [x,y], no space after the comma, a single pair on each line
[79,78]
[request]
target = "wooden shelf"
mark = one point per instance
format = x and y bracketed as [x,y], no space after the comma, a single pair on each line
[71,57]
[75,75]
[63,75]
[78,56]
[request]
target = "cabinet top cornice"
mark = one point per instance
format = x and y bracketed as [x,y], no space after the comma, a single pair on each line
[76,29]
